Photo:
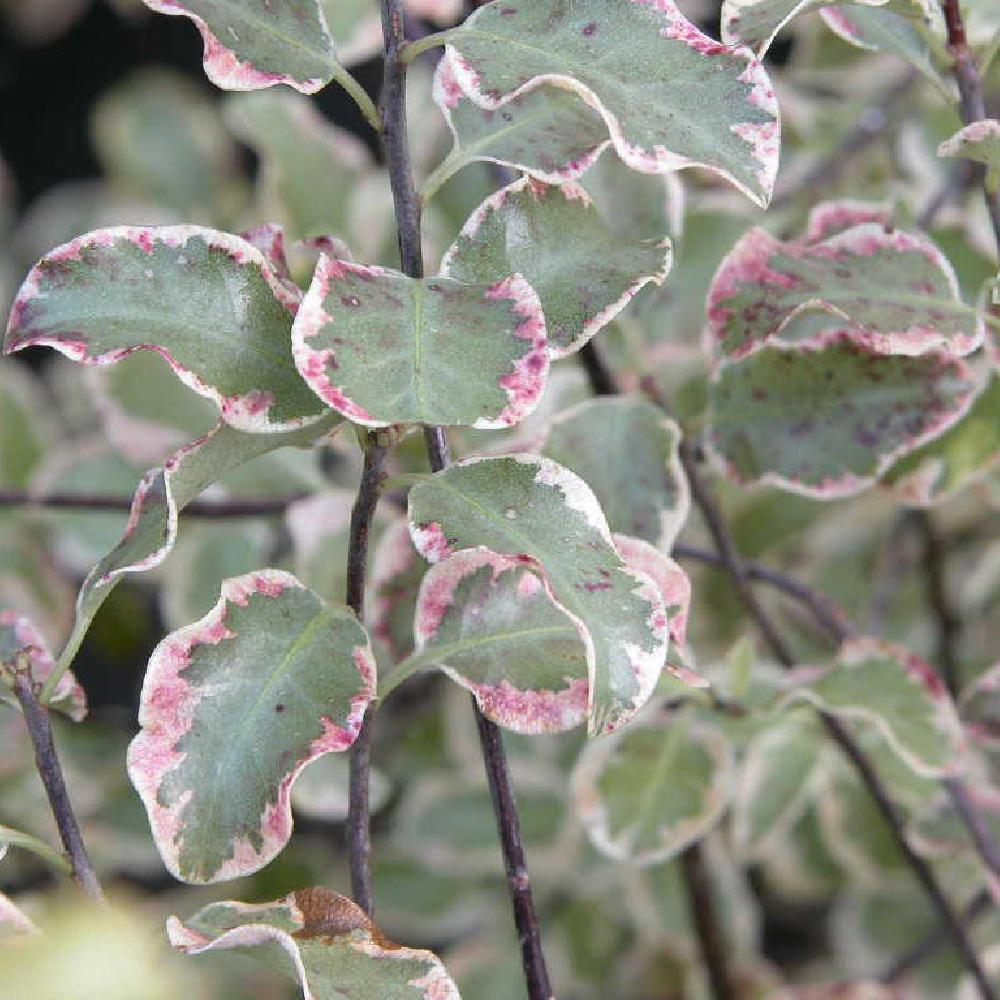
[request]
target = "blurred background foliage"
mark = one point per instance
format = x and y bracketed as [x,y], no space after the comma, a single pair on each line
[105,118]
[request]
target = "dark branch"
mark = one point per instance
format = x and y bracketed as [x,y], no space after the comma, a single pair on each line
[407,205]
[726,549]
[359,846]
[50,771]
[702,907]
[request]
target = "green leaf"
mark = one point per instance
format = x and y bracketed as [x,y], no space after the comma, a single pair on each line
[551,234]
[163,492]
[322,941]
[379,347]
[208,302]
[777,781]
[627,453]
[756,22]
[827,418]
[978,141]
[899,694]
[895,289]
[523,505]
[965,454]
[19,633]
[252,44]
[649,791]
[548,132]
[233,707]
[310,169]
[625,61]
[489,622]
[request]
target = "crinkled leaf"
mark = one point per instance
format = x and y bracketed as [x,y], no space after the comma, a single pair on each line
[163,492]
[647,792]
[777,781]
[625,61]
[159,135]
[555,238]
[232,708]
[964,454]
[323,942]
[627,452]
[756,22]
[522,505]
[208,302]
[252,44]
[489,623]
[20,633]
[309,168]
[379,347]
[896,289]
[826,419]
[547,132]
[897,692]
[977,141]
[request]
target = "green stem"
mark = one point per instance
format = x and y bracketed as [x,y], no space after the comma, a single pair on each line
[360,97]
[27,842]
[411,50]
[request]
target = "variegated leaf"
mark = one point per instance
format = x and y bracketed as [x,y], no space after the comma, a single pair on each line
[977,141]
[827,418]
[259,43]
[897,692]
[378,347]
[489,623]
[651,790]
[18,633]
[523,505]
[548,132]
[233,707]
[627,452]
[208,302]
[896,291]
[624,60]
[965,454]
[323,942]
[163,492]
[755,23]
[555,238]
[397,569]
[777,780]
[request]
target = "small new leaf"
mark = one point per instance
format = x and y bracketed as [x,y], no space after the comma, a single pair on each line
[379,347]
[584,275]
[233,707]
[977,141]
[325,943]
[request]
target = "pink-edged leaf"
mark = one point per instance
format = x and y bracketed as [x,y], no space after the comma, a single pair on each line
[552,235]
[325,943]
[378,347]
[252,44]
[397,569]
[233,707]
[17,634]
[624,60]
[647,792]
[895,290]
[831,217]
[523,505]
[628,454]
[208,302]
[896,691]
[826,418]
[490,623]
[977,141]
[548,133]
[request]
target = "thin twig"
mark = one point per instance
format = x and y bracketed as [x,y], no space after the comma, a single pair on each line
[702,907]
[935,939]
[714,520]
[407,208]
[359,845]
[47,761]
